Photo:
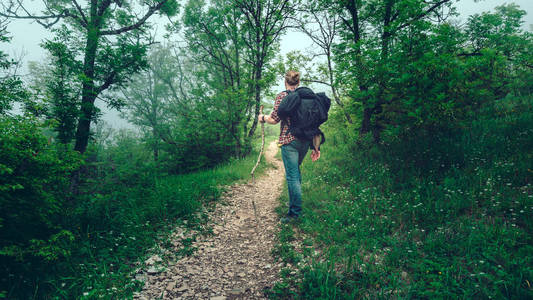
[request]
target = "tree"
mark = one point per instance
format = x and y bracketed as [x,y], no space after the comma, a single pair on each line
[114,43]
[214,37]
[265,21]
[322,28]
[33,180]
[184,116]
[233,44]
[440,75]
[148,98]
[410,68]
[369,29]
[11,87]
[62,87]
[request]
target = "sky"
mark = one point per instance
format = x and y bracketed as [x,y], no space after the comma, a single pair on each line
[297,41]
[27,36]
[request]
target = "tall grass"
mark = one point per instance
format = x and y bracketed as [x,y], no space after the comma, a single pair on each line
[126,206]
[441,215]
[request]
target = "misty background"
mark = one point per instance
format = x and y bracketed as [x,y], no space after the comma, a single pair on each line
[27,36]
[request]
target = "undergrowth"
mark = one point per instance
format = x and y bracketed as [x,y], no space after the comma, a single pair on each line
[429,215]
[128,207]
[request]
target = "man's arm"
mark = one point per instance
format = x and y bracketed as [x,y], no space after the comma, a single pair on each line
[267,119]
[273,118]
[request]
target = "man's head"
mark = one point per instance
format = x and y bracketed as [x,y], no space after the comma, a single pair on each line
[292,80]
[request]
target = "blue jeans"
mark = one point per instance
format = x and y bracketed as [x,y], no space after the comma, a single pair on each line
[293,154]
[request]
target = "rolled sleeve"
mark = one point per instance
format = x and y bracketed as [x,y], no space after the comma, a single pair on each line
[274,114]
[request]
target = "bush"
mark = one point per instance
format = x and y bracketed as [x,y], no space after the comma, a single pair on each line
[34,185]
[423,214]
[65,245]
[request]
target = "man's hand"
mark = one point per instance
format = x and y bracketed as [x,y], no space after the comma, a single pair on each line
[315,155]
[262,118]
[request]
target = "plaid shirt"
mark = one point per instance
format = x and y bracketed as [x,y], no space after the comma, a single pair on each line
[285,137]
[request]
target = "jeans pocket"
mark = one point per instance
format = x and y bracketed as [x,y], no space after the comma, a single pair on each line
[296,143]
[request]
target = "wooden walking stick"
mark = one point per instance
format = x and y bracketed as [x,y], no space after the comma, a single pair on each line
[262,145]
[258,160]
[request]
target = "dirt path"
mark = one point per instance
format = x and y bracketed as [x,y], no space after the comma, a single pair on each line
[235,262]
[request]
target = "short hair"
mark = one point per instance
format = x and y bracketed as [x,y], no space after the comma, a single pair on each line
[292,77]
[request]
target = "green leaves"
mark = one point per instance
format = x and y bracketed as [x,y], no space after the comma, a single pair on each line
[11,87]
[58,246]
[33,184]
[411,73]
[170,8]
[61,85]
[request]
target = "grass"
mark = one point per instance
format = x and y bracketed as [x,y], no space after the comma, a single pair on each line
[444,215]
[126,217]
[174,200]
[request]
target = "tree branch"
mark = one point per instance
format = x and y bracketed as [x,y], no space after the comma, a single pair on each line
[423,14]
[9,12]
[466,54]
[84,19]
[138,24]
[108,82]
[103,6]
[315,81]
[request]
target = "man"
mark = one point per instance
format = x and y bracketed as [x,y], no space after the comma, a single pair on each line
[293,150]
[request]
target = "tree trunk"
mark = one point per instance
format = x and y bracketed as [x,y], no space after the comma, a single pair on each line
[233,128]
[351,5]
[88,90]
[354,12]
[376,134]
[238,146]
[365,123]
[156,145]
[386,30]
[385,38]
[334,90]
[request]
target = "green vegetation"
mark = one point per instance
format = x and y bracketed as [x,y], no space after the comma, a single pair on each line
[424,188]
[446,215]
[89,243]
[428,193]
[82,204]
[98,46]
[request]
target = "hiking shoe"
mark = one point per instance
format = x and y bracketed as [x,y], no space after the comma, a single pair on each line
[289,219]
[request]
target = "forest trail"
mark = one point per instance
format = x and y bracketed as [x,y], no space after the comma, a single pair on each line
[235,262]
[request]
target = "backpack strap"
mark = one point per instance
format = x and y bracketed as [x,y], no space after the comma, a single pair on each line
[288,104]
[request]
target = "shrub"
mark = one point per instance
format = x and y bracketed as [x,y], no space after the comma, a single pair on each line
[421,215]
[34,185]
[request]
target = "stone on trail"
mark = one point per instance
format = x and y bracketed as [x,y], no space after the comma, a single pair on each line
[141,277]
[235,261]
[154,259]
[171,286]
[177,277]
[183,288]
[153,270]
[235,292]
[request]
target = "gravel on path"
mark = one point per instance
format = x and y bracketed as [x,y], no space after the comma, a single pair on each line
[235,262]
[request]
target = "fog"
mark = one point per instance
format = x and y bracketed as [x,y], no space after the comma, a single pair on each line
[27,37]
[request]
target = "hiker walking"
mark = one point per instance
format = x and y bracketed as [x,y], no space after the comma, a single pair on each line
[294,141]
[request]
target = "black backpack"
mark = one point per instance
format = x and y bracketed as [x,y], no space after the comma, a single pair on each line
[307,111]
